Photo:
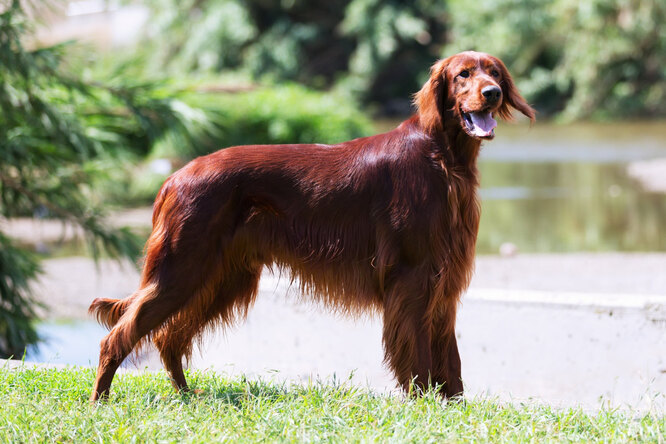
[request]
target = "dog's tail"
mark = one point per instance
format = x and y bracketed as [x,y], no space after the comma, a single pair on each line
[108,311]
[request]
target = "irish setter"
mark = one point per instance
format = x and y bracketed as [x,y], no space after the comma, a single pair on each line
[386,223]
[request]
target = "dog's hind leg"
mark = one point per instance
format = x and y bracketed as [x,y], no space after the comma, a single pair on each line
[175,339]
[151,307]
[173,342]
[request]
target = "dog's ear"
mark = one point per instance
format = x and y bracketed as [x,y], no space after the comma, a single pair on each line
[431,99]
[511,96]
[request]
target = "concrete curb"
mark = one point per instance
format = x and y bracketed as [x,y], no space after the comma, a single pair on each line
[13,364]
[603,301]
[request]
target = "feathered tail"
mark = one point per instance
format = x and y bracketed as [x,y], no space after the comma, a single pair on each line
[108,311]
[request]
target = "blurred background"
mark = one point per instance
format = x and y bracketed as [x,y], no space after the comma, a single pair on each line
[101,100]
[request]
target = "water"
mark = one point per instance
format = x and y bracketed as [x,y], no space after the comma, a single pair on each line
[567,188]
[72,342]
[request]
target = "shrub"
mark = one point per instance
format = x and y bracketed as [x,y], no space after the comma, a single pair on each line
[266,115]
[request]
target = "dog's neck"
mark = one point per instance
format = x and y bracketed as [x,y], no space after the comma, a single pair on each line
[464,148]
[452,144]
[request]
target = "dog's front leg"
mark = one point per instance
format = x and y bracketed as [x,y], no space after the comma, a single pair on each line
[407,341]
[446,359]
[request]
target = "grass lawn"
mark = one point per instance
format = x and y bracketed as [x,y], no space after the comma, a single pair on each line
[51,405]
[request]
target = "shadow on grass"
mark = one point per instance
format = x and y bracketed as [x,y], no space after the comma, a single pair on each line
[240,391]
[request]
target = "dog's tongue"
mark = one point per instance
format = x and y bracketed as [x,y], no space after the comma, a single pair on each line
[483,123]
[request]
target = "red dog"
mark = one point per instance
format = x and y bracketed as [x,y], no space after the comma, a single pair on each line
[387,222]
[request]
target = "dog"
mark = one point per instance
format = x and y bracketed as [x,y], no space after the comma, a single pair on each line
[387,222]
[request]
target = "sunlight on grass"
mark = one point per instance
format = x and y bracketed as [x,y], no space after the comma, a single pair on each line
[51,405]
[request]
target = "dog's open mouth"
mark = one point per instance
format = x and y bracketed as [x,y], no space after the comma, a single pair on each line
[479,124]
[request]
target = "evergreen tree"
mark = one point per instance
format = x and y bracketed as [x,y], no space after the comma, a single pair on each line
[56,131]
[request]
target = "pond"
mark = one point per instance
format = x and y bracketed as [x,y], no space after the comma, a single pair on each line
[68,342]
[565,188]
[570,188]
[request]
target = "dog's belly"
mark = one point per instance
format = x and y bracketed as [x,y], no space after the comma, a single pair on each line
[331,262]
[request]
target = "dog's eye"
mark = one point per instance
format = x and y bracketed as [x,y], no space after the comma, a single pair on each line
[464,73]
[494,73]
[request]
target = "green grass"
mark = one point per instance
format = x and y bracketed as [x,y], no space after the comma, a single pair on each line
[51,405]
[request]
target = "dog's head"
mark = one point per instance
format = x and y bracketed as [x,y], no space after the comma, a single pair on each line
[468,90]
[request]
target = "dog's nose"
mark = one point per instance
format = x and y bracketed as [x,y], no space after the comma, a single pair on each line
[491,93]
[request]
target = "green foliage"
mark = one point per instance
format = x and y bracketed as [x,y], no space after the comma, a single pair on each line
[58,134]
[596,59]
[44,168]
[275,115]
[280,114]
[599,59]
[17,307]
[376,50]
[51,405]
[203,35]
[395,44]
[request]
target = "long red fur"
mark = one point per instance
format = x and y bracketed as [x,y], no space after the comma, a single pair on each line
[386,223]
